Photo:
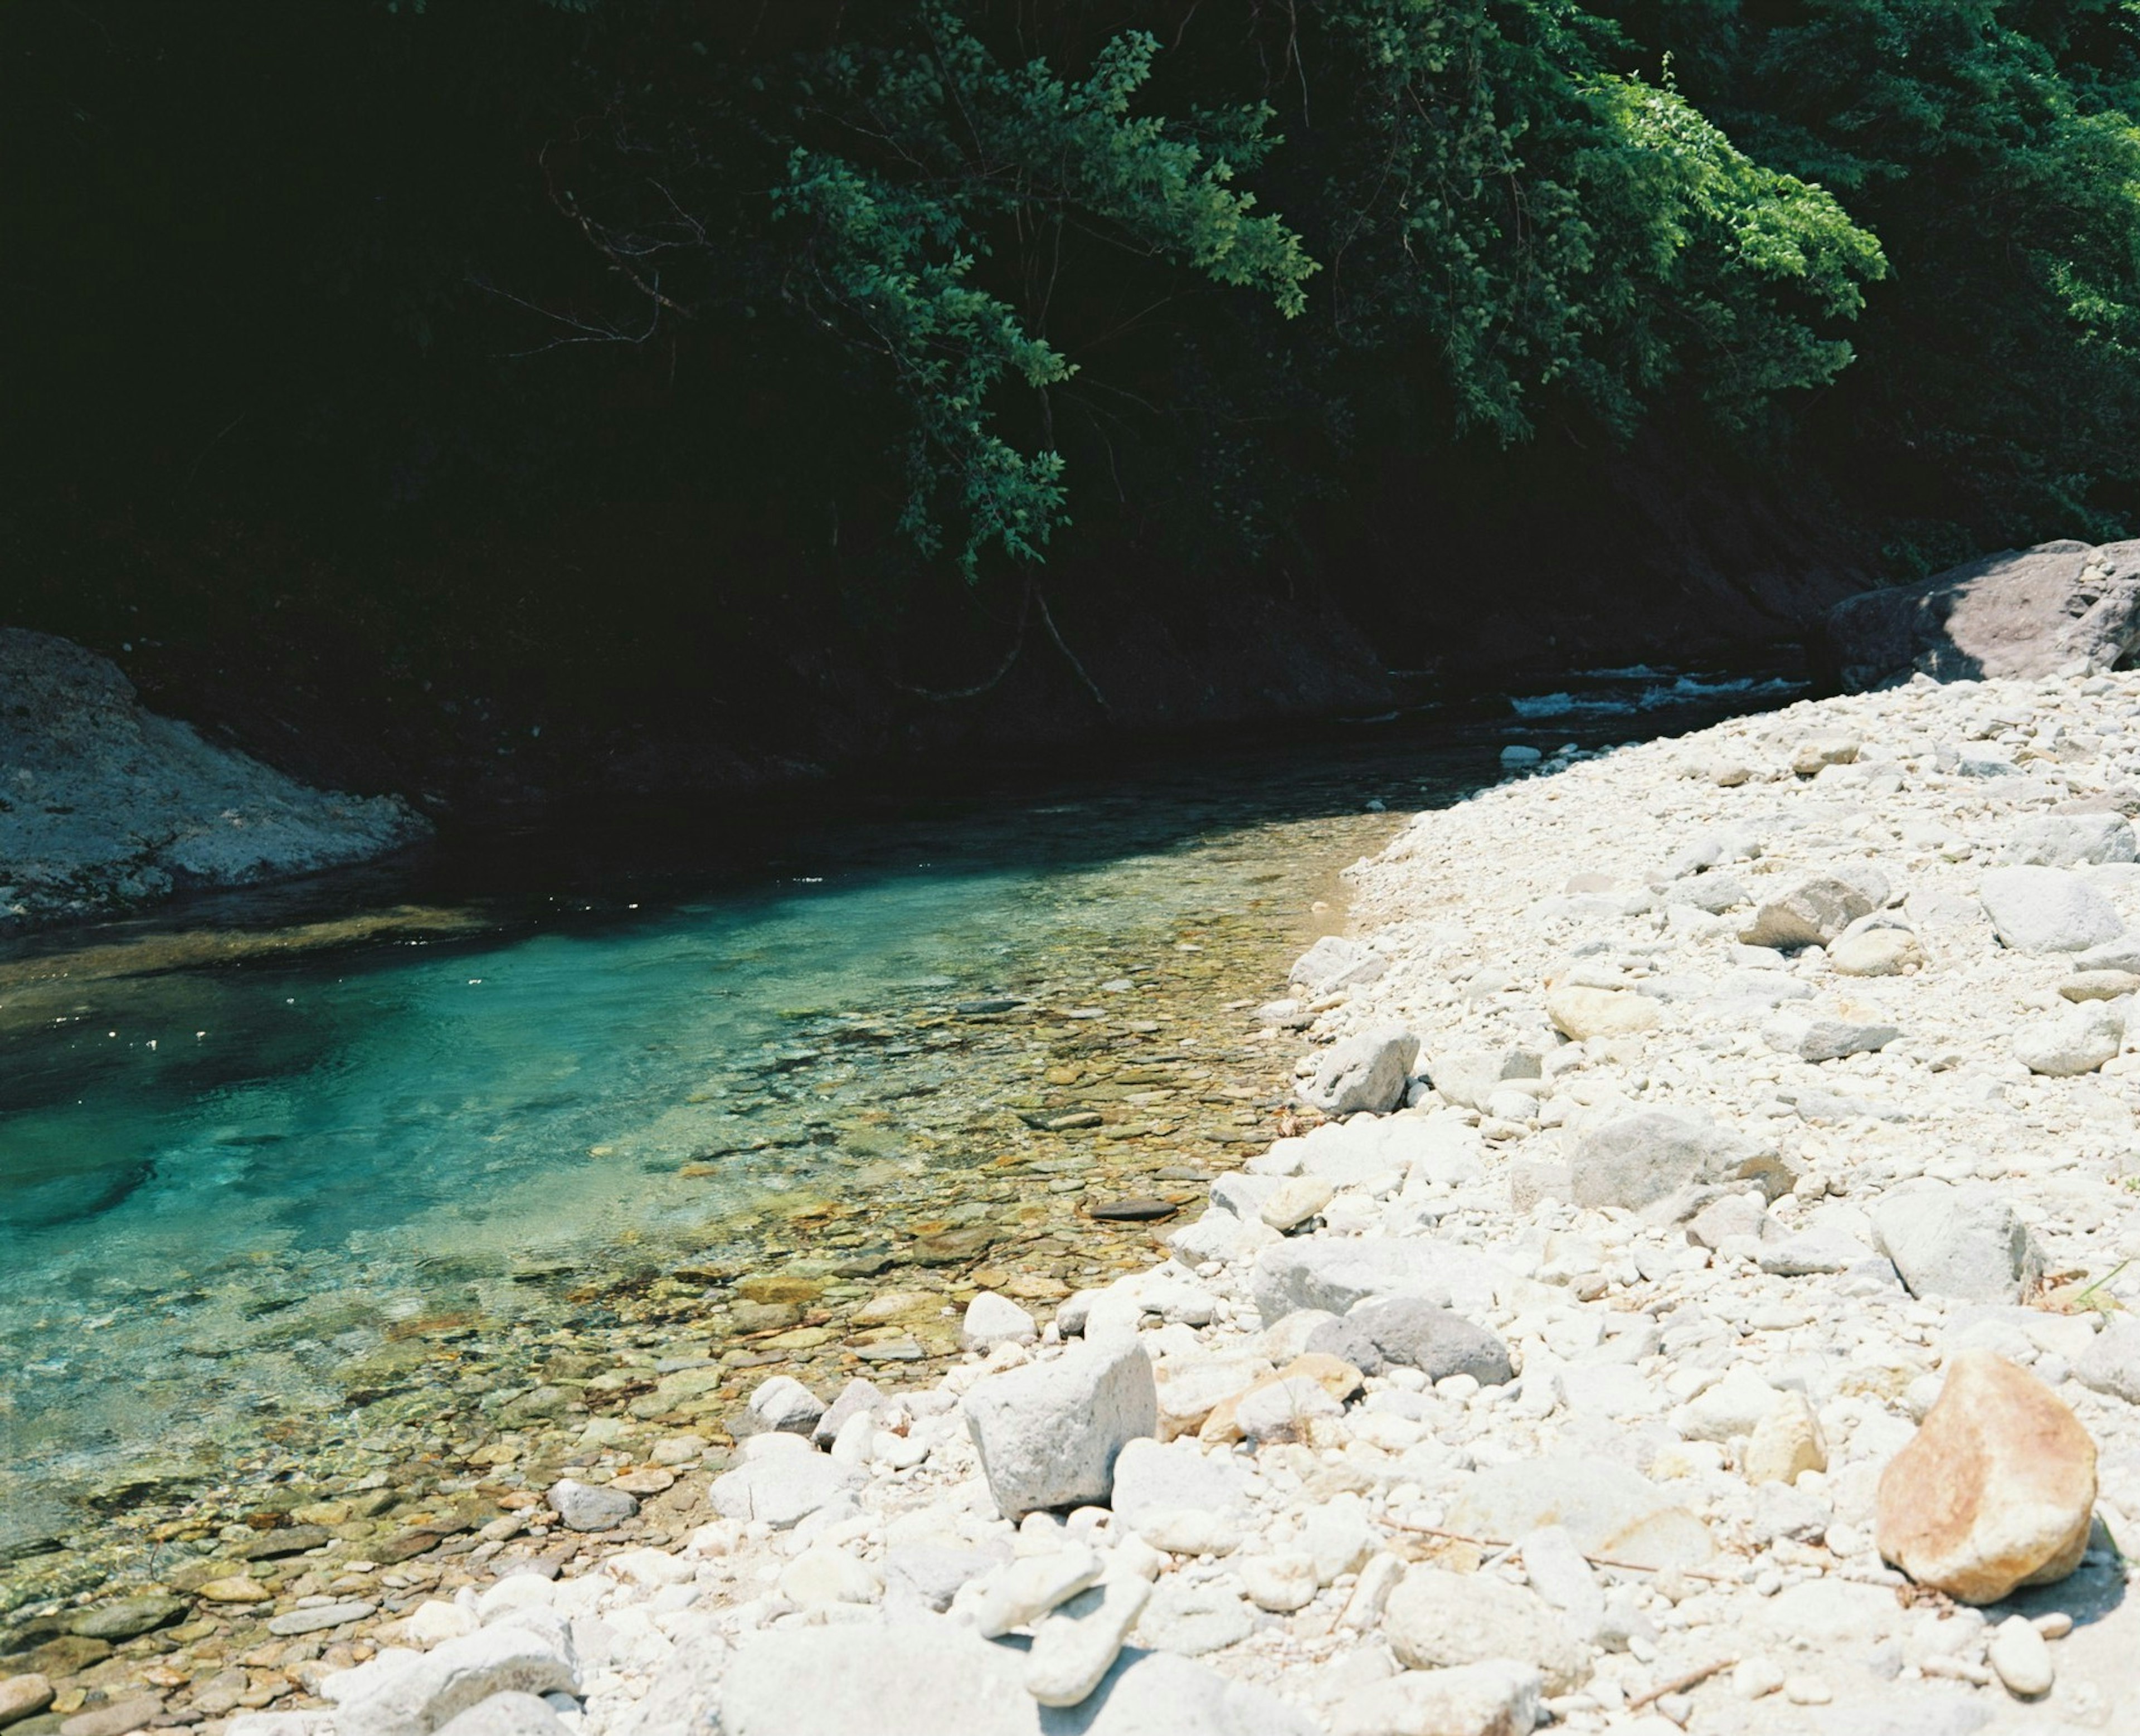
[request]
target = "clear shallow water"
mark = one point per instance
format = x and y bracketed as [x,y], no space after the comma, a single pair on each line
[251,1152]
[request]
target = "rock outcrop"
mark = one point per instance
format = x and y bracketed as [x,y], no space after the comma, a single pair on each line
[104,806]
[2027,612]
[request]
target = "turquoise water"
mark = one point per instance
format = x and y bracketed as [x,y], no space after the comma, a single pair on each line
[220,1183]
[244,1145]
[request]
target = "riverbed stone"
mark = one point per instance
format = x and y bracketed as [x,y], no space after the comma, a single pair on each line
[2048,911]
[1787,1442]
[23,1696]
[1610,1511]
[115,1717]
[1996,1490]
[447,1681]
[1639,1158]
[991,1320]
[2020,1658]
[1280,1583]
[509,1714]
[2070,1040]
[590,1507]
[2111,1363]
[1021,1592]
[1437,1620]
[857,1398]
[1195,1617]
[317,1618]
[1499,1697]
[2100,985]
[892,1681]
[783,1489]
[1816,1038]
[1295,1200]
[781,1406]
[1149,1477]
[1335,963]
[1078,1641]
[1468,1078]
[1369,1072]
[1047,1434]
[2068,841]
[1963,1243]
[1579,1010]
[1876,952]
[125,1617]
[1413,1332]
[1334,1272]
[1814,908]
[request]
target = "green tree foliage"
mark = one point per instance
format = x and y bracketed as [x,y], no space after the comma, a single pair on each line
[955,149]
[910,287]
[1545,221]
[1492,203]
[1990,143]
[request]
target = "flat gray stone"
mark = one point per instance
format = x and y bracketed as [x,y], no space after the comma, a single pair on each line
[320,1617]
[2066,840]
[1817,1038]
[508,1714]
[590,1507]
[782,1488]
[2048,911]
[1816,907]
[1636,1160]
[1609,1510]
[1151,1477]
[2111,1364]
[1414,1333]
[1334,962]
[1436,1620]
[1333,1272]
[930,1677]
[1193,1619]
[1963,1243]
[457,1675]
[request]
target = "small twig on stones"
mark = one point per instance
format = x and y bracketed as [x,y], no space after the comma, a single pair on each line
[1595,1561]
[1680,1683]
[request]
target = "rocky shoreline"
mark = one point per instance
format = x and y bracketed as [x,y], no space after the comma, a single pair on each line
[106,806]
[1699,1306]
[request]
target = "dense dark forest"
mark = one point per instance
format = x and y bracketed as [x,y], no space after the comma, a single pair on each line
[725,389]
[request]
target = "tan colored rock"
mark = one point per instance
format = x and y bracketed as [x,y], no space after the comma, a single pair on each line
[898,1306]
[1295,1200]
[1787,1442]
[1334,1375]
[1577,1012]
[23,1696]
[236,1589]
[2100,985]
[1876,953]
[1996,1489]
[1815,757]
[1190,1388]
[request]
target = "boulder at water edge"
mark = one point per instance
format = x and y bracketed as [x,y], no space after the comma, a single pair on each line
[2028,612]
[1996,1489]
[1368,1072]
[1048,1434]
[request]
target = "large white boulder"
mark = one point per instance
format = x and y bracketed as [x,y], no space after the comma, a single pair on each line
[1047,1434]
[1965,1244]
[2048,911]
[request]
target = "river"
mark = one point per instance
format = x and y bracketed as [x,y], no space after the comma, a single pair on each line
[440,1172]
